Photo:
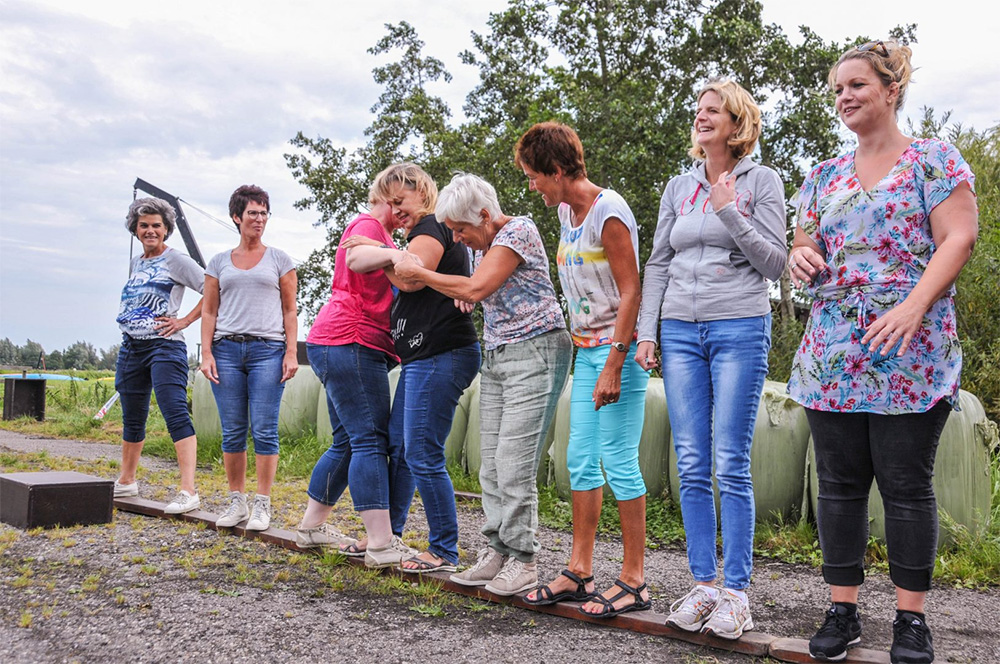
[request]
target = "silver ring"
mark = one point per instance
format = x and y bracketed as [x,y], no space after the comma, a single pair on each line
[791,265]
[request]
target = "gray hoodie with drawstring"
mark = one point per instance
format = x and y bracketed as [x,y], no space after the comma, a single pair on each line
[713,265]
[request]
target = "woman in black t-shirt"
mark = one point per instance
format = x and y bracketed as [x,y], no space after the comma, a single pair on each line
[440,355]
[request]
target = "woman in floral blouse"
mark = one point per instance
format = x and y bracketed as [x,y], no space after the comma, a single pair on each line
[883,232]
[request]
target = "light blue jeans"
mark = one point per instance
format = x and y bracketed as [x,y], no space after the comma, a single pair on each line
[713,376]
[518,393]
[609,436]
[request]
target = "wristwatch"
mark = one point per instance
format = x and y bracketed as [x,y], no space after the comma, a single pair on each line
[619,346]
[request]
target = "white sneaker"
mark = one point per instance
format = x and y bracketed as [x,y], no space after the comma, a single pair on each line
[322,535]
[126,490]
[389,556]
[691,611]
[236,512]
[514,577]
[260,514]
[730,618]
[488,565]
[183,502]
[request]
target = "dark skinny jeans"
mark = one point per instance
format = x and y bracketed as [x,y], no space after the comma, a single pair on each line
[898,451]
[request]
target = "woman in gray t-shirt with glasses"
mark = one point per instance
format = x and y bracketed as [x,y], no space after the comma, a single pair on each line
[248,334]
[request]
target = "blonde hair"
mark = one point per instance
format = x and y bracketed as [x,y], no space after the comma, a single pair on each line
[409,176]
[894,67]
[745,113]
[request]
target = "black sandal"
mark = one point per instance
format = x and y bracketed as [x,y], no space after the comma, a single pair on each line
[545,595]
[608,609]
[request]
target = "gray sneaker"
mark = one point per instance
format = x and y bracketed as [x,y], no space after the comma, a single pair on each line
[236,512]
[730,618]
[322,535]
[691,611]
[488,565]
[183,502]
[260,513]
[389,556]
[514,577]
[126,490]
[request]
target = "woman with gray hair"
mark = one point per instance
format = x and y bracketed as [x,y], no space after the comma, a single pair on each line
[153,355]
[525,365]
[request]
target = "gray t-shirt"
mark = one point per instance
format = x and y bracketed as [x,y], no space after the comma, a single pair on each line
[155,288]
[250,300]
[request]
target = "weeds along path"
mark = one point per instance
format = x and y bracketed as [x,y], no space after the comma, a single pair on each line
[167,590]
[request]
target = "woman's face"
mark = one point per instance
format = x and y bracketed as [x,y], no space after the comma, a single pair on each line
[862,98]
[383,212]
[407,205]
[713,124]
[546,185]
[253,221]
[152,232]
[468,234]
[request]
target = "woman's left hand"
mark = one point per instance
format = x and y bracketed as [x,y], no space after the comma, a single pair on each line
[901,322]
[166,326]
[609,387]
[465,307]
[723,192]
[289,365]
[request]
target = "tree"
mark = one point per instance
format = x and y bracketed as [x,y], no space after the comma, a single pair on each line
[29,353]
[54,360]
[80,355]
[109,357]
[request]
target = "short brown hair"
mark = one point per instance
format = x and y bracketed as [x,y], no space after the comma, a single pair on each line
[745,113]
[550,146]
[243,195]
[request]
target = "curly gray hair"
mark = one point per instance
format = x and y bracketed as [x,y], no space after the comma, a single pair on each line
[144,206]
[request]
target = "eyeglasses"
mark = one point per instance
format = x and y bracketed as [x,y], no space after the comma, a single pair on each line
[878,46]
[257,214]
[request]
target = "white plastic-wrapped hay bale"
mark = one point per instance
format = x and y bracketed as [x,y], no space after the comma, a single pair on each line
[297,413]
[455,444]
[204,412]
[560,439]
[324,430]
[961,471]
[777,455]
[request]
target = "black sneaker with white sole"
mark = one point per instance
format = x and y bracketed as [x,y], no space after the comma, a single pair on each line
[911,640]
[841,630]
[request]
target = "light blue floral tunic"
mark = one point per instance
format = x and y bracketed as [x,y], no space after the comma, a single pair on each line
[877,245]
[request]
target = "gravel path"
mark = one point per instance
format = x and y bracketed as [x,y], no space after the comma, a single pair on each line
[150,590]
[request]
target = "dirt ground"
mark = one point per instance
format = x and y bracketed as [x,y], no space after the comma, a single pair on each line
[150,590]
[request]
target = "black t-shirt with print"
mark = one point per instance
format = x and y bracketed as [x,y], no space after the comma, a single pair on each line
[425,322]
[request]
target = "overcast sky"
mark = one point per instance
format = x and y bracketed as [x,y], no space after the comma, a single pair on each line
[200,97]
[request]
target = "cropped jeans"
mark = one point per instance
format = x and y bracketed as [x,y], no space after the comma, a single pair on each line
[153,364]
[362,453]
[422,414]
[518,393]
[248,394]
[713,376]
[609,436]
[898,451]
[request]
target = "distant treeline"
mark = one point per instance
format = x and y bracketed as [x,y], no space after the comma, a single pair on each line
[80,355]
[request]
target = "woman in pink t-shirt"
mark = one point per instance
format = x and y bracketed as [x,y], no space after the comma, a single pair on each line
[351,352]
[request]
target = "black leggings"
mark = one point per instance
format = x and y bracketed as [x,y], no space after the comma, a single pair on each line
[898,451]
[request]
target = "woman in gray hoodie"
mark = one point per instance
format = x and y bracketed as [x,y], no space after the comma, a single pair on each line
[719,239]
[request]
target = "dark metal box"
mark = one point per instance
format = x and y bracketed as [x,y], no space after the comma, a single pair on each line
[56,498]
[23,396]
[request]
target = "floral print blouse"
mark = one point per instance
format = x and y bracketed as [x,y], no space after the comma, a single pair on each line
[877,244]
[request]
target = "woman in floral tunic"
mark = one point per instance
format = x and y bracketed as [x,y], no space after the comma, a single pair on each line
[883,233]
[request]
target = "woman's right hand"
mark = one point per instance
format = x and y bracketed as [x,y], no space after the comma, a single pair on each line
[645,355]
[804,265]
[208,367]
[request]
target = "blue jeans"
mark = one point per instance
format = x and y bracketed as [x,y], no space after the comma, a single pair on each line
[249,393]
[609,436]
[713,376]
[422,413]
[145,365]
[361,455]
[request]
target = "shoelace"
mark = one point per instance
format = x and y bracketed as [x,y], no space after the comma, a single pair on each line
[691,602]
[910,633]
[484,554]
[511,570]
[259,509]
[836,624]
[234,506]
[726,607]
